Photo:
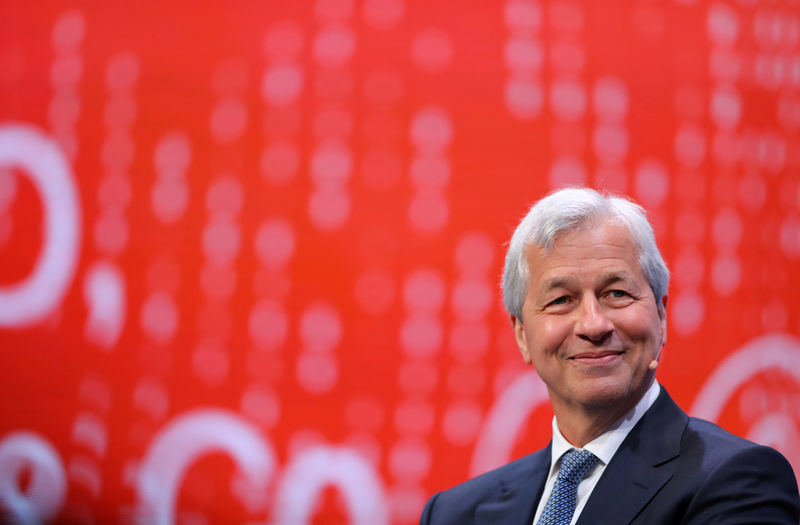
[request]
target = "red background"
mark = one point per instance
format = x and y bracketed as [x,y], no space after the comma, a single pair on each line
[323,264]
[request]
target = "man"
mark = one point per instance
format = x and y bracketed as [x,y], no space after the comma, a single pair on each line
[586,290]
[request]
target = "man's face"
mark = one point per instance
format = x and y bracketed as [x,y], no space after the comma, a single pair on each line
[590,324]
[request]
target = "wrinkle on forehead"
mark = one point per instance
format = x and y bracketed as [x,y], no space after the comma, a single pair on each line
[586,241]
[573,251]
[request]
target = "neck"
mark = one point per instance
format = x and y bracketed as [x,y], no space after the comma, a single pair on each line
[580,424]
[581,428]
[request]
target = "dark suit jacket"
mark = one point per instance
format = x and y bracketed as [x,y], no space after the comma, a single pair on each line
[670,469]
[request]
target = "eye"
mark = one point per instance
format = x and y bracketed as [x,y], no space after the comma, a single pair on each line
[618,298]
[559,301]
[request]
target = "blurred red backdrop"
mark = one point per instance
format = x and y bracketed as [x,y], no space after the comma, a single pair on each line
[250,251]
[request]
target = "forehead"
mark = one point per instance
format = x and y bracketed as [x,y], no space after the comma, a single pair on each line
[604,246]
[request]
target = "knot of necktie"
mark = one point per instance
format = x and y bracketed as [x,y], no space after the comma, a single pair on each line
[575,464]
[561,504]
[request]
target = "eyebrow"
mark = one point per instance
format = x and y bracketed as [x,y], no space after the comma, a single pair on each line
[616,276]
[556,282]
[605,280]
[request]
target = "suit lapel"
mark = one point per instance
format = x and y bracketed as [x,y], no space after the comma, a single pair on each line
[517,494]
[640,467]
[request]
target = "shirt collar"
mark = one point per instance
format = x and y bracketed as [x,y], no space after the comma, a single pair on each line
[606,444]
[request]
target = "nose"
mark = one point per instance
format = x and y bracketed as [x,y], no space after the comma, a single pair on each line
[592,323]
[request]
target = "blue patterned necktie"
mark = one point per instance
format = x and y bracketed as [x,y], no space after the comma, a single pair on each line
[561,504]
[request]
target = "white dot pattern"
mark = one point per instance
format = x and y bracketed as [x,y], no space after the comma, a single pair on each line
[560,506]
[304,227]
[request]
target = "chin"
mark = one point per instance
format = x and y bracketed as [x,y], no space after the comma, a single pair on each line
[604,393]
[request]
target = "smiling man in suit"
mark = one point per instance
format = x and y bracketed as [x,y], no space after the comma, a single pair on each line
[586,289]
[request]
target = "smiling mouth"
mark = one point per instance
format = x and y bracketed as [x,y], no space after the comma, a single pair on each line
[596,358]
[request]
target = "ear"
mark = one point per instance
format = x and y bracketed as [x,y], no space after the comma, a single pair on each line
[663,314]
[522,342]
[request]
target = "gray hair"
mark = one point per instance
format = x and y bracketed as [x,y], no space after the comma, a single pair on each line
[569,210]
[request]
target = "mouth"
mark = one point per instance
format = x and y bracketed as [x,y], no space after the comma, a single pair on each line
[598,358]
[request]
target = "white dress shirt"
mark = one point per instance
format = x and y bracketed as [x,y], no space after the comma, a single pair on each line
[603,446]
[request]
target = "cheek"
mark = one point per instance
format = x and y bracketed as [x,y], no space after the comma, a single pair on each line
[639,325]
[548,335]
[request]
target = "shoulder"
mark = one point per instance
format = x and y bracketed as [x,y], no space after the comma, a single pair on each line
[703,443]
[505,477]
[715,439]
[735,475]
[710,444]
[458,504]
[712,475]
[717,454]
